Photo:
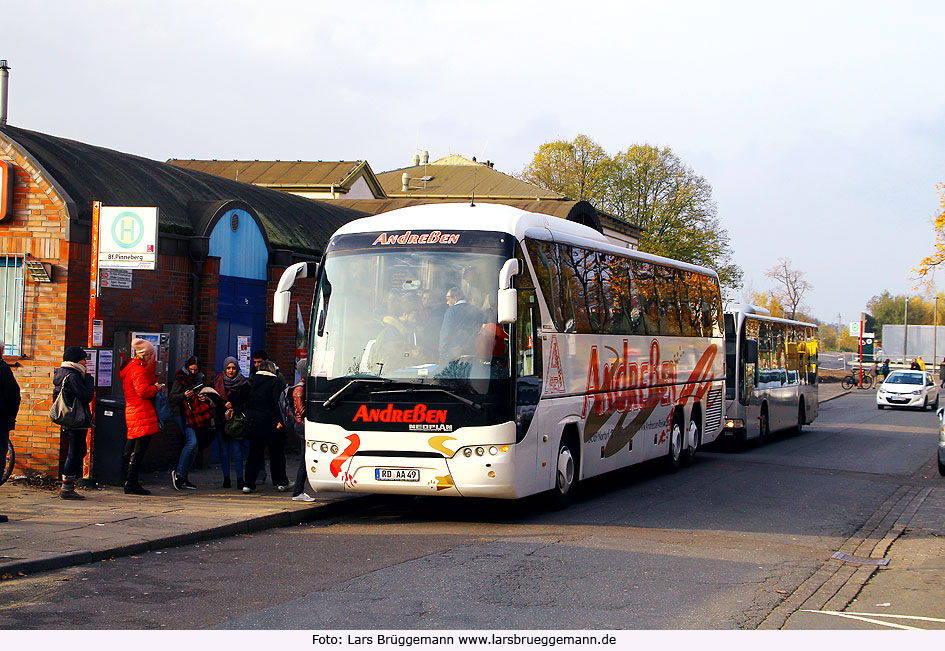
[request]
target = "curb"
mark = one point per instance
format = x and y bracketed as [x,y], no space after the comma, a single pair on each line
[835,584]
[17,569]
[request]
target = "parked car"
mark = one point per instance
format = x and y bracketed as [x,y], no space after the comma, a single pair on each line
[941,442]
[908,389]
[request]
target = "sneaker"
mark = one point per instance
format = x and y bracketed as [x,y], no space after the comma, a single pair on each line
[4,518]
[226,482]
[189,486]
[247,490]
[71,495]
[176,481]
[285,488]
[304,497]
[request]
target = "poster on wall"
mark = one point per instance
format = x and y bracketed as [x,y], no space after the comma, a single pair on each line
[104,368]
[91,363]
[243,352]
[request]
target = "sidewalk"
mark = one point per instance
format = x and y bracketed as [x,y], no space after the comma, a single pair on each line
[45,532]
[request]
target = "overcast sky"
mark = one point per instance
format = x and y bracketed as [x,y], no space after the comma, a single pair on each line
[819,125]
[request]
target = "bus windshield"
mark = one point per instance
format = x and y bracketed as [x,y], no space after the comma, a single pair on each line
[420,314]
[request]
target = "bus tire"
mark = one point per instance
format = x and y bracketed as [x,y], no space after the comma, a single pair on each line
[566,472]
[676,439]
[801,416]
[691,442]
[764,426]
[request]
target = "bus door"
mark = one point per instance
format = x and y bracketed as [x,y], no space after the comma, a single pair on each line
[528,374]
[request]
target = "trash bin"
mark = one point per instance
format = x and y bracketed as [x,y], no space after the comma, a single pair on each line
[110,434]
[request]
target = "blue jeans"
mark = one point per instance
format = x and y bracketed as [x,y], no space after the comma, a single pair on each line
[227,448]
[189,453]
[76,454]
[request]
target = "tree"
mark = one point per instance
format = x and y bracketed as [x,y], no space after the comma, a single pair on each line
[648,187]
[887,309]
[929,263]
[579,169]
[791,286]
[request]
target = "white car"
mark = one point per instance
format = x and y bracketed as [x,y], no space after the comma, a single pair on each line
[908,389]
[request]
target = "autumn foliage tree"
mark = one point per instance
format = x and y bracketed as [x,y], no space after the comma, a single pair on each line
[929,263]
[646,186]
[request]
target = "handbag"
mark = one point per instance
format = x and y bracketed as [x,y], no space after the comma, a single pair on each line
[162,407]
[68,416]
[235,427]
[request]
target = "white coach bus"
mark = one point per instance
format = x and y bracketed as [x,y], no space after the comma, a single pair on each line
[490,352]
[771,373]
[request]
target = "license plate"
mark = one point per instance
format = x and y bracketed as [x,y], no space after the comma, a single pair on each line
[397,474]
[903,400]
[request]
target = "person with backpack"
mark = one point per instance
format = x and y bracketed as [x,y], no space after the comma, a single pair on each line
[73,381]
[266,431]
[294,409]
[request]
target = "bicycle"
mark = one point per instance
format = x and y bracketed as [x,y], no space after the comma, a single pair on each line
[7,468]
[853,379]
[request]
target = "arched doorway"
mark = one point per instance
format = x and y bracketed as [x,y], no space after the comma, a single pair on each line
[239,243]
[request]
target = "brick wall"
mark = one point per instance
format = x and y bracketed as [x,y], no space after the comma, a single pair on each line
[37,227]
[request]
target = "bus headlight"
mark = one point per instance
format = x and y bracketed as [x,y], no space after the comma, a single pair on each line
[467,452]
[493,450]
[734,423]
[480,451]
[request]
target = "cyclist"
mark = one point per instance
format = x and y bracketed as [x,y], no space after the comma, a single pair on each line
[9,406]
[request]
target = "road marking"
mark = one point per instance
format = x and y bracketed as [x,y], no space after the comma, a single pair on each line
[867,617]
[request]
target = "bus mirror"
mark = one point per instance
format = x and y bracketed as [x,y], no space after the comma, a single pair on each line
[508,306]
[280,306]
[512,267]
[750,353]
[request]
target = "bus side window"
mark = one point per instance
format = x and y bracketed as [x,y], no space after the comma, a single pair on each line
[528,341]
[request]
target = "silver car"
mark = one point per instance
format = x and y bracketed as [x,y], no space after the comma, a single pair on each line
[908,389]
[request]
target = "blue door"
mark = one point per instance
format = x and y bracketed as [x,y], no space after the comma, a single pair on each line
[237,240]
[242,312]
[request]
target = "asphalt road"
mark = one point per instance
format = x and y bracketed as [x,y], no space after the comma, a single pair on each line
[716,546]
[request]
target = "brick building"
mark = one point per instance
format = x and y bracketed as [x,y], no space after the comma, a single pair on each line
[222,246]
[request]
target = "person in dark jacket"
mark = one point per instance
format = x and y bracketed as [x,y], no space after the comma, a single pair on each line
[193,413]
[299,493]
[77,387]
[265,428]
[9,406]
[233,389]
[461,324]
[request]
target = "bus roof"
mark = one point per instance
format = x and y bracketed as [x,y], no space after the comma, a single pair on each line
[503,219]
[761,313]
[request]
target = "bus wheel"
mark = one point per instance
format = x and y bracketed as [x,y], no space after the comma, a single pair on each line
[565,477]
[801,415]
[764,428]
[691,443]
[675,446]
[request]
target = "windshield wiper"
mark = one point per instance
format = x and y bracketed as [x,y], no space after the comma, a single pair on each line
[328,404]
[465,401]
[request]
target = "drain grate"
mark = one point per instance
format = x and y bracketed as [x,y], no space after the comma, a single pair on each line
[846,558]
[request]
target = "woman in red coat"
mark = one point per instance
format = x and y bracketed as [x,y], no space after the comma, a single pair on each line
[140,385]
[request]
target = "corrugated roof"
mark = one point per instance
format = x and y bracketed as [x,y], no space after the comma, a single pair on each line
[314,174]
[460,181]
[89,173]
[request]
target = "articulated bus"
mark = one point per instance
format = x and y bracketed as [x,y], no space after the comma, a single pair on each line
[771,373]
[484,351]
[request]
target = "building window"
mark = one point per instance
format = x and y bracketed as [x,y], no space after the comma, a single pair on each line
[11,300]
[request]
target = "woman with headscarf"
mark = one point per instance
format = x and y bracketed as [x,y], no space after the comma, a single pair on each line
[265,428]
[233,388]
[194,413]
[75,384]
[140,386]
